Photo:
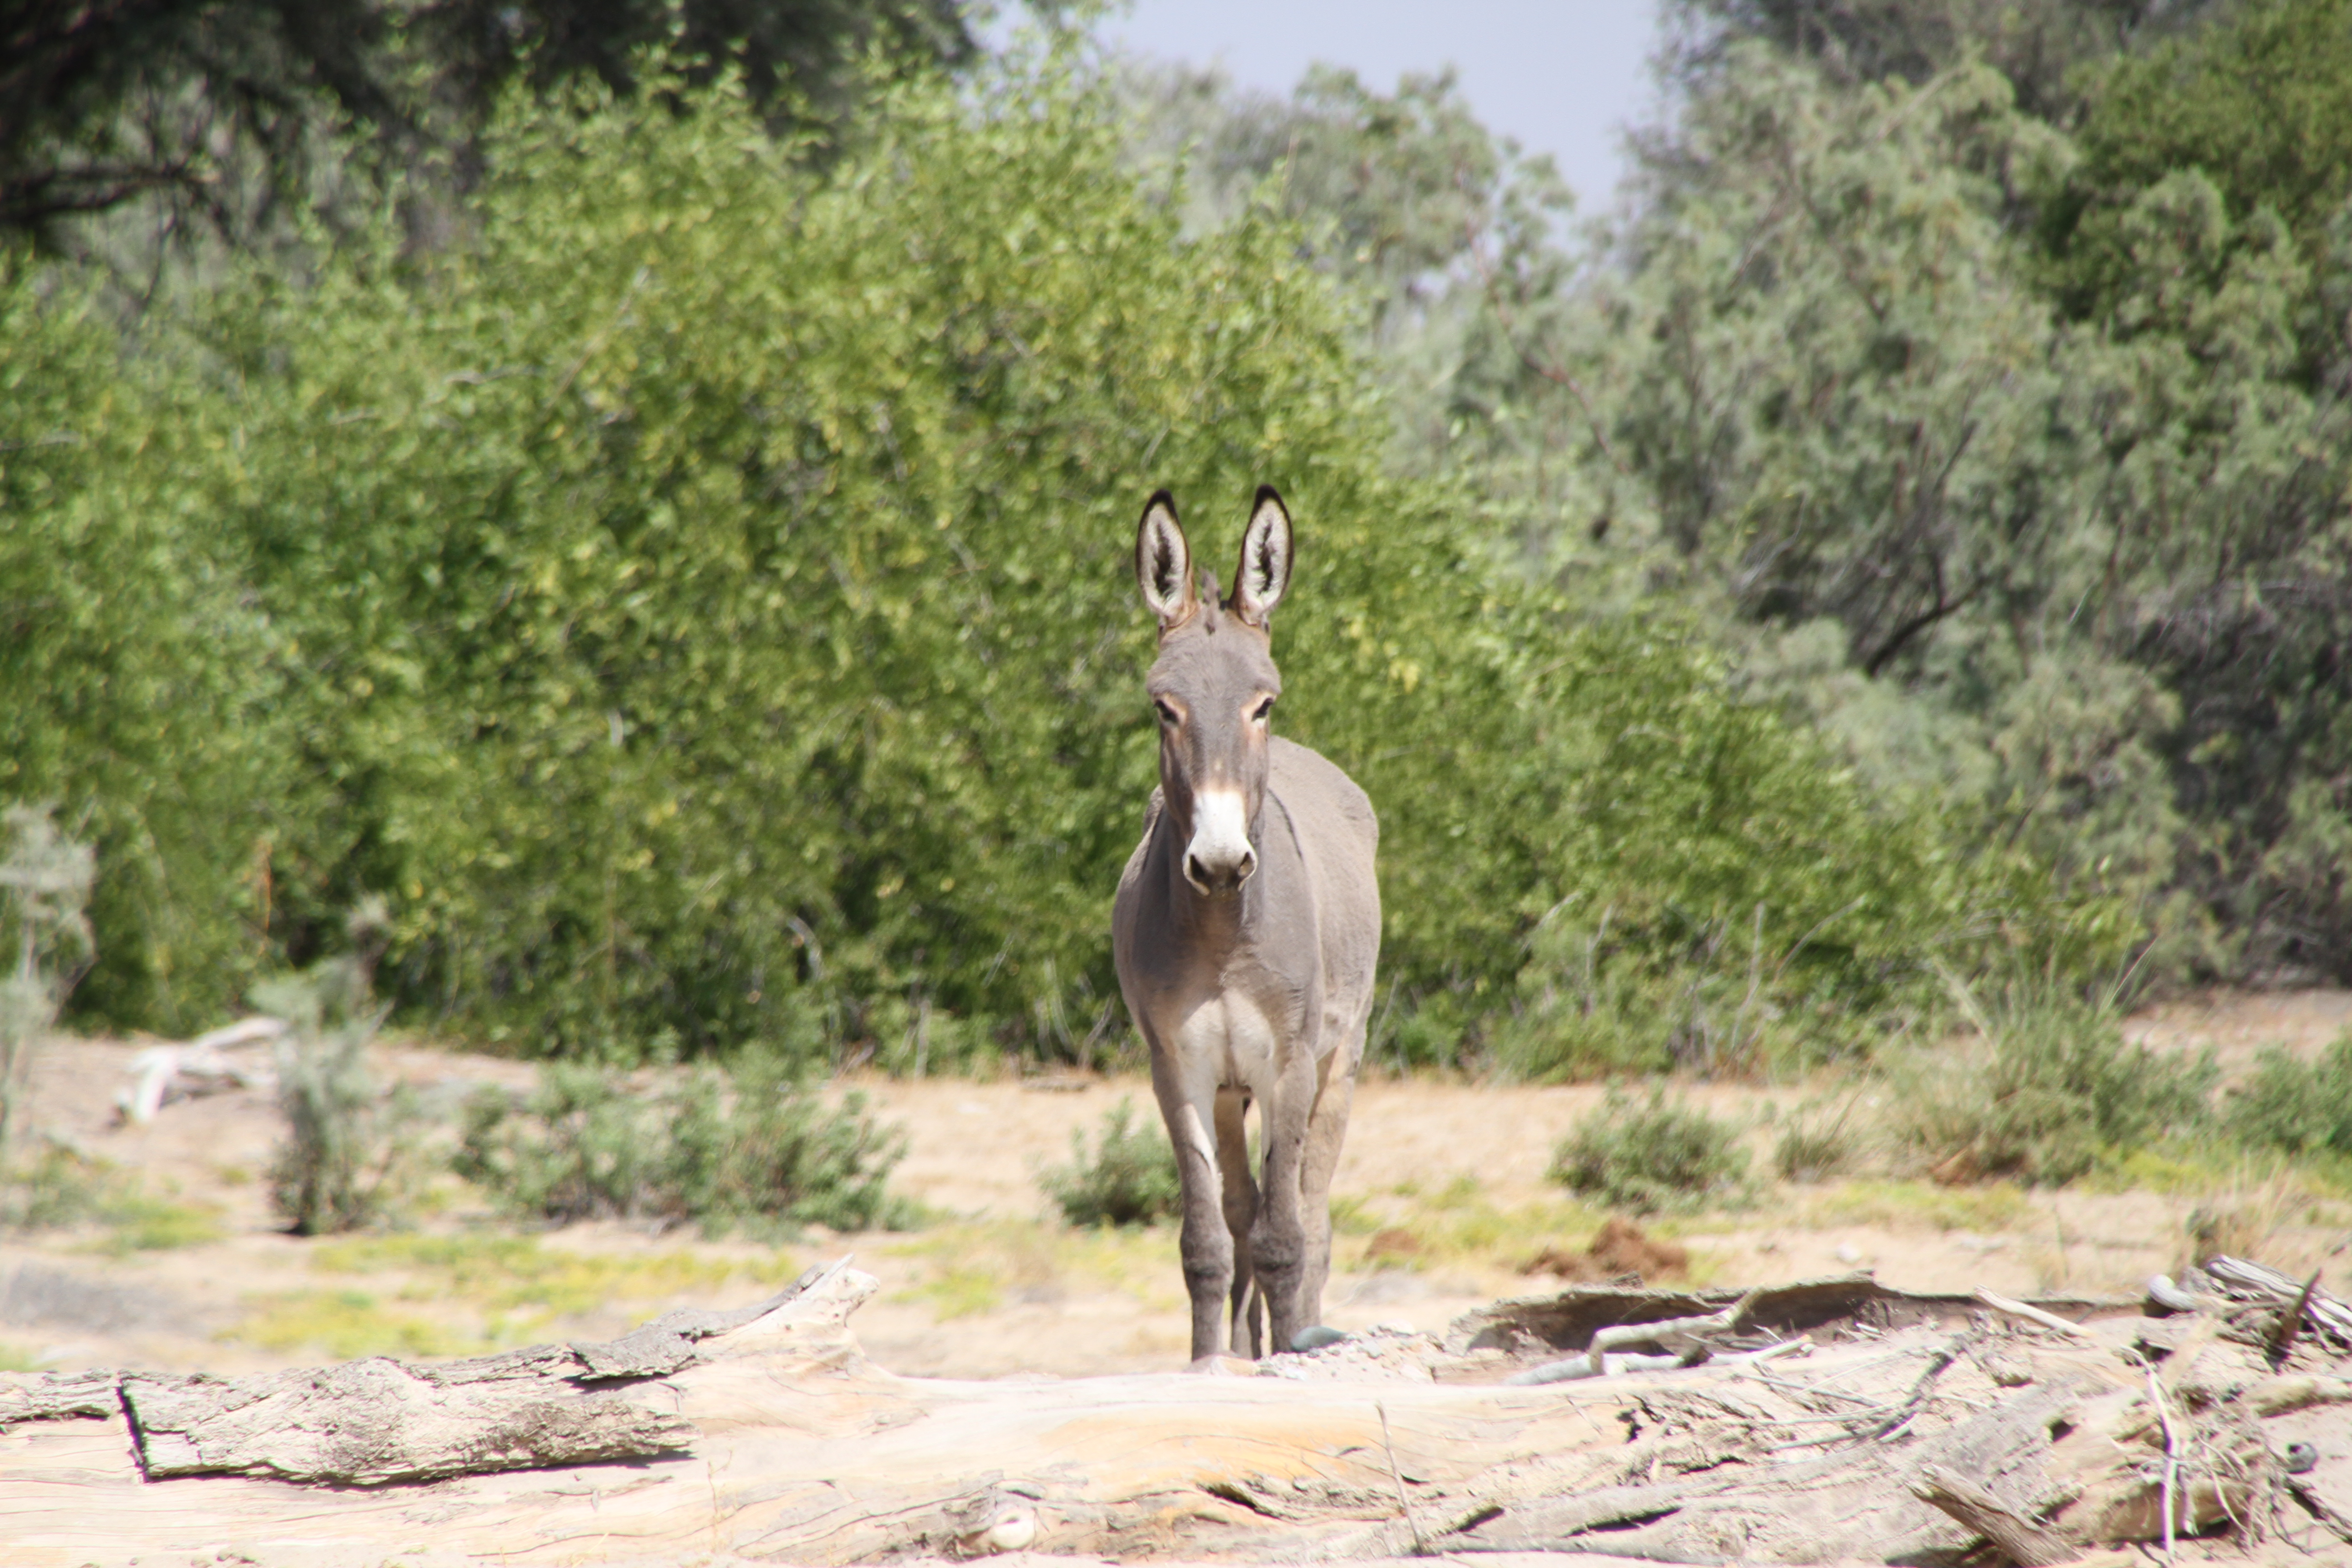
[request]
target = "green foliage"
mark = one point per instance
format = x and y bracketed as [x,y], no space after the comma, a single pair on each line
[2049,1090]
[2295,1106]
[1645,1157]
[139,684]
[703,603]
[2024,568]
[2259,103]
[2042,48]
[716,1150]
[56,1187]
[282,122]
[1128,1179]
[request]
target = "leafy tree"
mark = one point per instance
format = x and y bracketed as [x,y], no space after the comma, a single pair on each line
[139,688]
[227,115]
[2259,102]
[2040,49]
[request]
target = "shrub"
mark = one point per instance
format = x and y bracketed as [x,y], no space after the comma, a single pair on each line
[2048,1090]
[1649,1157]
[58,1186]
[45,939]
[350,1153]
[1130,1179]
[2298,1107]
[63,1186]
[587,1143]
[1815,1142]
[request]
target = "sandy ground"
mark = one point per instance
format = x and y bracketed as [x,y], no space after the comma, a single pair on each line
[1441,1198]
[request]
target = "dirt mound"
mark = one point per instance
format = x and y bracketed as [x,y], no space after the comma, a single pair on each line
[1619,1250]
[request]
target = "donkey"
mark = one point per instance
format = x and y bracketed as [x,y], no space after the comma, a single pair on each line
[1245,932]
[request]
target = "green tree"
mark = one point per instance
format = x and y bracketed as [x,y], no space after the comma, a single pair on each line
[2259,102]
[2041,49]
[249,122]
[139,685]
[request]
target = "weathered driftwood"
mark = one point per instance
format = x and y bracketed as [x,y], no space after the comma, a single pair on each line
[2303,1301]
[1568,1320]
[376,1420]
[53,1396]
[2027,1545]
[764,1434]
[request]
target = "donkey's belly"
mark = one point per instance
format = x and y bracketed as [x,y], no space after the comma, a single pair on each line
[1226,1041]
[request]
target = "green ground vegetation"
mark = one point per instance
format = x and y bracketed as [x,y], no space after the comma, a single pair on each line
[1128,1177]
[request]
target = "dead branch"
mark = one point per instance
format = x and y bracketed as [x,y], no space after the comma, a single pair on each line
[2026,1544]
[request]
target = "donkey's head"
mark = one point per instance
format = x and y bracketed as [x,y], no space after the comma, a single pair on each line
[1214,685]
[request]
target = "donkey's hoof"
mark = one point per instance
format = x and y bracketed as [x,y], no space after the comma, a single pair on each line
[1314,1336]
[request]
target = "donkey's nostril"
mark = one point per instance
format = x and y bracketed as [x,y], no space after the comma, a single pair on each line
[1248,864]
[1196,873]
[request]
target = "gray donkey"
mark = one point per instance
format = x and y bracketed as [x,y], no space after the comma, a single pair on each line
[1247,929]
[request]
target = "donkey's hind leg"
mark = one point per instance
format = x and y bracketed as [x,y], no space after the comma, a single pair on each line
[1326,1129]
[1241,1213]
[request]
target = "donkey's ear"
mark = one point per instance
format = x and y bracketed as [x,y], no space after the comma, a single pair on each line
[1163,563]
[1265,559]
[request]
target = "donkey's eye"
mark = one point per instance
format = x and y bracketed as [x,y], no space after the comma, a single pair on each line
[1167,714]
[1264,710]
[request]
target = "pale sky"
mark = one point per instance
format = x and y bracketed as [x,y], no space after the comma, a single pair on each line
[1562,76]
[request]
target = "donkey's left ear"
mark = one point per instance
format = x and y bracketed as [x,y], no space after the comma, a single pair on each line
[1265,560]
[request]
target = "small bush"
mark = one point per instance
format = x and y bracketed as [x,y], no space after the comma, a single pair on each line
[2051,1090]
[1816,1142]
[349,1155]
[709,1149]
[61,1187]
[45,937]
[1649,1157]
[1130,1179]
[57,1187]
[2296,1107]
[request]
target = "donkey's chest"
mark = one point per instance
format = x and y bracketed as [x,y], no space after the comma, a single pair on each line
[1233,1035]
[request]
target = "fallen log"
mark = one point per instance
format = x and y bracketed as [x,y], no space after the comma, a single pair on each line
[764,1433]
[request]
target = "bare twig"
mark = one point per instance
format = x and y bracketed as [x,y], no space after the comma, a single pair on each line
[2283,1336]
[1917,1400]
[2172,1456]
[1420,1547]
[1551,370]
[2033,1315]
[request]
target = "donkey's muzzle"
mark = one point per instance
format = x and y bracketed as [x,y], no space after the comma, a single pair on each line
[1222,877]
[1220,857]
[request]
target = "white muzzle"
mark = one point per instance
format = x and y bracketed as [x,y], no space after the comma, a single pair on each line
[1219,859]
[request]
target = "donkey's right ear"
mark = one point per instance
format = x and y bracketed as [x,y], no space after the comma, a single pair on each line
[1163,563]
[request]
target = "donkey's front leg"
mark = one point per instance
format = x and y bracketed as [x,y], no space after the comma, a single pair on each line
[1278,1240]
[1207,1244]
